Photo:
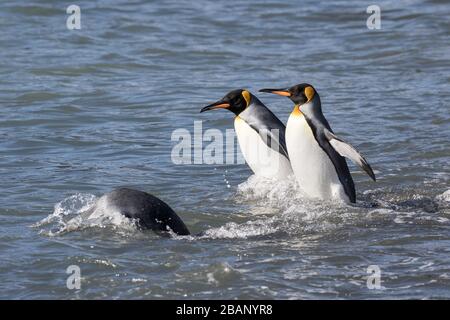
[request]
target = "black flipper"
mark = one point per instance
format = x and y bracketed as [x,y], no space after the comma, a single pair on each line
[339,162]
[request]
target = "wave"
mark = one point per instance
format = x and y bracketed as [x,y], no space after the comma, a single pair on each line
[273,209]
[81,211]
[296,215]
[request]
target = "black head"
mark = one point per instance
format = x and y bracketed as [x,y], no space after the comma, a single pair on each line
[236,101]
[299,94]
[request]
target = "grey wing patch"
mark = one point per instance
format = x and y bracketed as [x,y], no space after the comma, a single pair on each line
[268,126]
[273,138]
[348,151]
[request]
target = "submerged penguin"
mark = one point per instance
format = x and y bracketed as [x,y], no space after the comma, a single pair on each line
[148,211]
[260,133]
[316,153]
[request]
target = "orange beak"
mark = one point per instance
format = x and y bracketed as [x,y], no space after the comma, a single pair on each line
[281,92]
[216,105]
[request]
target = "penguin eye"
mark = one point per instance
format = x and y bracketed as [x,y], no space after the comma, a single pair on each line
[238,101]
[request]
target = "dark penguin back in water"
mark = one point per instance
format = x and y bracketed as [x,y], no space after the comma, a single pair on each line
[149,211]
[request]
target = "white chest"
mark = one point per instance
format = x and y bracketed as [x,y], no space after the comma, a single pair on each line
[312,167]
[263,160]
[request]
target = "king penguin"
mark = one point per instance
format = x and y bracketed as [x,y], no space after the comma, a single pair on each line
[261,135]
[316,153]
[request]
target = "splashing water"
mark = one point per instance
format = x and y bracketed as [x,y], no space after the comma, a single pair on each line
[282,208]
[276,208]
[81,211]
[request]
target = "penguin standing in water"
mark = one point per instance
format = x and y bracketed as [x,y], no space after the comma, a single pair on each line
[316,153]
[260,133]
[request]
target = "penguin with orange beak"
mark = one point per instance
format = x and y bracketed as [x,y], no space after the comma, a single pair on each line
[260,133]
[316,153]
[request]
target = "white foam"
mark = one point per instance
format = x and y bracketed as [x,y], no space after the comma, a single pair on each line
[78,202]
[444,197]
[81,211]
[221,273]
[271,207]
[283,207]
[271,190]
[234,230]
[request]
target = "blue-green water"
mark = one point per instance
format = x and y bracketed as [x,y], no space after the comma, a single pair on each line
[84,111]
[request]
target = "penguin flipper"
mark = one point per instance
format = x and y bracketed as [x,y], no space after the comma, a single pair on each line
[274,139]
[271,130]
[348,151]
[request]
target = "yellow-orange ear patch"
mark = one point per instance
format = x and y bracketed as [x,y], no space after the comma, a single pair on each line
[246,96]
[296,112]
[309,93]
